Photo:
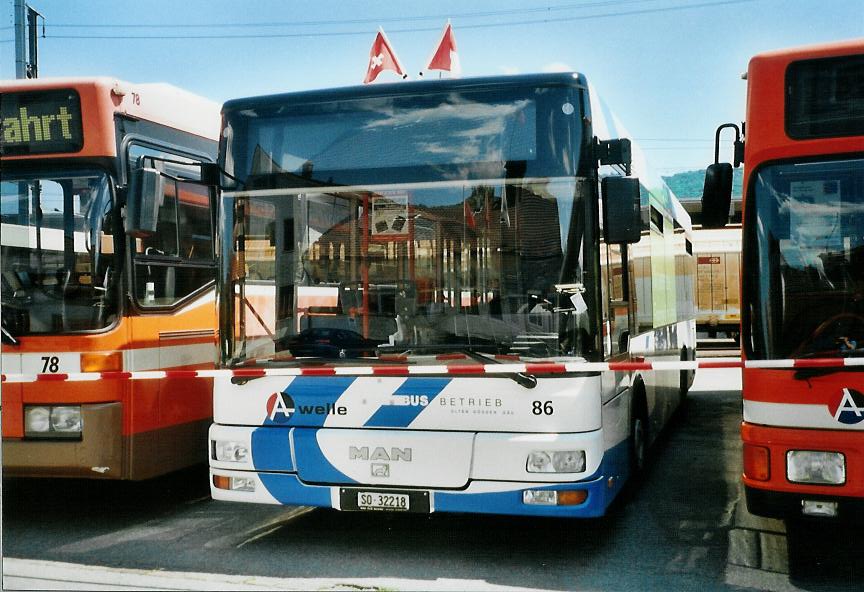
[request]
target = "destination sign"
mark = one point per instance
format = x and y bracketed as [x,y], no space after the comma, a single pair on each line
[40,122]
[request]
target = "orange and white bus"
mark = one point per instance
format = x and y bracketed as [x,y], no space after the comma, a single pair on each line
[81,293]
[802,282]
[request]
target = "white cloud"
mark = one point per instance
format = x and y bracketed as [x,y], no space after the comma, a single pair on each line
[509,70]
[557,67]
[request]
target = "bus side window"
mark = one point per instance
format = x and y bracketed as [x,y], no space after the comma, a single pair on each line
[196,231]
[616,310]
[164,240]
[177,260]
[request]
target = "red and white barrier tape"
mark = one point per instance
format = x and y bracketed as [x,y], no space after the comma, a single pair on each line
[451,369]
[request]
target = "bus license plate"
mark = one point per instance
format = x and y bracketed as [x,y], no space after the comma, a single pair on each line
[373,500]
[386,500]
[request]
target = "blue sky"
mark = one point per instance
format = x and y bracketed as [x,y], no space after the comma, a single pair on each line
[670,69]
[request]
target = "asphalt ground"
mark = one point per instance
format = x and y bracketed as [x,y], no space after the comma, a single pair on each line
[683,526]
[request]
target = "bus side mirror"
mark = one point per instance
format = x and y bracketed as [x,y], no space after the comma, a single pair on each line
[622,217]
[142,207]
[614,152]
[211,175]
[717,195]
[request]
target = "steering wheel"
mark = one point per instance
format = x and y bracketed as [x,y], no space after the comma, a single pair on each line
[851,317]
[57,290]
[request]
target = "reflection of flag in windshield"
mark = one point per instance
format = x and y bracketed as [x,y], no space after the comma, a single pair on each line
[263,163]
[486,218]
[469,214]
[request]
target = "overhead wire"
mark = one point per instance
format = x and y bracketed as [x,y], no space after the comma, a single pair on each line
[331,22]
[463,15]
[523,22]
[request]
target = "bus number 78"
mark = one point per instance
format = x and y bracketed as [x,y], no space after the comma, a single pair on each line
[50,364]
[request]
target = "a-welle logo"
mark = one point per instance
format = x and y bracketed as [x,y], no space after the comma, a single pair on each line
[281,407]
[847,407]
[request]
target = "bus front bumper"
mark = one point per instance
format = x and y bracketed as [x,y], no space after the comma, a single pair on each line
[768,480]
[480,497]
[97,454]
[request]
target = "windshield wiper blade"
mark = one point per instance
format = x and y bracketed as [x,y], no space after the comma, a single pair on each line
[465,348]
[815,371]
[7,337]
[807,373]
[830,354]
[528,381]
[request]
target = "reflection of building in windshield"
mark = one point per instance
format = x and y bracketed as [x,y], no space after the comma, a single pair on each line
[439,218]
[56,258]
[814,240]
[462,258]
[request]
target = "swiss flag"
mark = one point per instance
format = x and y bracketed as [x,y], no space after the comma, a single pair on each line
[445,57]
[382,57]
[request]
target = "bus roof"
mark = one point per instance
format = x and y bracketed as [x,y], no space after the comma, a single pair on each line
[767,137]
[411,87]
[823,50]
[102,98]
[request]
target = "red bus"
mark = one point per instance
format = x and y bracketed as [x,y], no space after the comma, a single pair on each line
[81,293]
[802,294]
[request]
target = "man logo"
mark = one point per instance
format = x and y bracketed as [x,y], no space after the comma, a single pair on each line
[379,453]
[849,407]
[280,407]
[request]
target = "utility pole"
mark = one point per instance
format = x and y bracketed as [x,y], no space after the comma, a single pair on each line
[20,39]
[33,61]
[26,40]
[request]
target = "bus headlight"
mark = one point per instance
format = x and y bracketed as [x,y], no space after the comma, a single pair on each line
[37,419]
[234,483]
[556,461]
[816,466]
[540,497]
[60,421]
[66,419]
[230,451]
[546,497]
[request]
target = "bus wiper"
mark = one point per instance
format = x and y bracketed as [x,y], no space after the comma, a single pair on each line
[430,348]
[528,381]
[808,373]
[6,336]
[817,371]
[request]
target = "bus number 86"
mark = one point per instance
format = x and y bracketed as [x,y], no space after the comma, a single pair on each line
[542,408]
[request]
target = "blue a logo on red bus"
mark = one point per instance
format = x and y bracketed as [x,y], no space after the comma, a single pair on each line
[848,407]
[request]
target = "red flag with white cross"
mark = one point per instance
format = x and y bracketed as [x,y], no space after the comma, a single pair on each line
[382,57]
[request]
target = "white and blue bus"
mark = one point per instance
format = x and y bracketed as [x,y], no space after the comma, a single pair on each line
[420,283]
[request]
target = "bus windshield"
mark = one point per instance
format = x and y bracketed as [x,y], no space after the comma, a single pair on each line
[57,266]
[809,244]
[414,226]
[456,135]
